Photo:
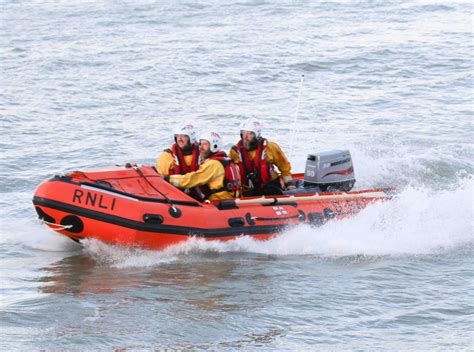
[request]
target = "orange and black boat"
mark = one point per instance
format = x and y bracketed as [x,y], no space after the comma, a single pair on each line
[134,206]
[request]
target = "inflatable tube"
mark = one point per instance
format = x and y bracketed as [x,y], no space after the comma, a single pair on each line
[134,206]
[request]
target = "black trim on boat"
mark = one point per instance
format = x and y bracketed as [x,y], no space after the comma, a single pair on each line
[153,218]
[75,223]
[316,218]
[43,216]
[302,215]
[282,203]
[154,227]
[329,213]
[226,204]
[236,222]
[276,219]
[250,219]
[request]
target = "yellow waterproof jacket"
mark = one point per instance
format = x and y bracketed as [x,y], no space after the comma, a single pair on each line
[165,163]
[275,156]
[210,173]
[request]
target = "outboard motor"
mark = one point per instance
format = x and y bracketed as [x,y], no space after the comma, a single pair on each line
[330,171]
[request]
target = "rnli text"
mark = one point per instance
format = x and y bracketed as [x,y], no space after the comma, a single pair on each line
[92,199]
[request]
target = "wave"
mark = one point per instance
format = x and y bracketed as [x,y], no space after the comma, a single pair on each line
[419,221]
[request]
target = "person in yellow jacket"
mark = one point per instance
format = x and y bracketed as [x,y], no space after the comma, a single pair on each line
[183,156]
[257,158]
[210,178]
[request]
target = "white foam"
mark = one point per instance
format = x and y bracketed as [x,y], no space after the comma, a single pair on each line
[121,257]
[34,235]
[418,221]
[421,220]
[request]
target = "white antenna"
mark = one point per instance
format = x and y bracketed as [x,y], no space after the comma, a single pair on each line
[296,118]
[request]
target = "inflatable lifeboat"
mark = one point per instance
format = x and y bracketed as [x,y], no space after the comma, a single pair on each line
[133,206]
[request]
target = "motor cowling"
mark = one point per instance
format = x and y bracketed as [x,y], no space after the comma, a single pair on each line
[330,171]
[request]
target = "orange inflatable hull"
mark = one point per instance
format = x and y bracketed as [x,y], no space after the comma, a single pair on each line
[134,206]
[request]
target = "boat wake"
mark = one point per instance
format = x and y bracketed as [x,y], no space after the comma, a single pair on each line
[418,222]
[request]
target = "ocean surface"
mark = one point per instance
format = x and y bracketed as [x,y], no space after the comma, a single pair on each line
[87,84]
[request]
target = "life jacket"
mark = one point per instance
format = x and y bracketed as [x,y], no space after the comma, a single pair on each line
[231,182]
[256,173]
[179,166]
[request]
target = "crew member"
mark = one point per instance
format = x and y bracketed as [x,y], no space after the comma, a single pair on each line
[257,158]
[217,177]
[183,156]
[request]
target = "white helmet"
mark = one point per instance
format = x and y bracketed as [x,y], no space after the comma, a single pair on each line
[188,130]
[252,125]
[214,139]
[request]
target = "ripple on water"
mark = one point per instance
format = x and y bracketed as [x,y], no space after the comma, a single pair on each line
[89,85]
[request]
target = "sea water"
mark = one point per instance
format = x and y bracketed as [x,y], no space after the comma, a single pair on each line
[89,84]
